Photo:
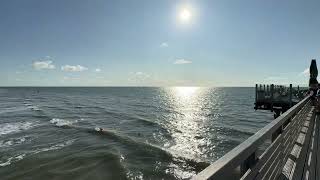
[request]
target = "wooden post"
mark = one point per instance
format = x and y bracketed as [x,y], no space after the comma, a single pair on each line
[271,98]
[276,133]
[256,93]
[290,95]
[260,87]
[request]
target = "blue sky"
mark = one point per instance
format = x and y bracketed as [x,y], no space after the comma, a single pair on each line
[146,43]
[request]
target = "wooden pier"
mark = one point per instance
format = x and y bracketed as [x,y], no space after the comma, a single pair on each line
[277,98]
[293,150]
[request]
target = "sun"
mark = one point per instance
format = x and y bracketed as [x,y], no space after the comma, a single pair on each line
[185,15]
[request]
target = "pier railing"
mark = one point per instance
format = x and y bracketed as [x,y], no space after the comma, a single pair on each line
[243,162]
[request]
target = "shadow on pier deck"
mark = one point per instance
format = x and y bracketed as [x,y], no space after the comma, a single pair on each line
[293,150]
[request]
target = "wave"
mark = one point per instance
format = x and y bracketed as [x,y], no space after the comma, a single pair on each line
[16,158]
[13,141]
[32,107]
[8,128]
[12,159]
[145,149]
[62,122]
[54,147]
[12,109]
[151,149]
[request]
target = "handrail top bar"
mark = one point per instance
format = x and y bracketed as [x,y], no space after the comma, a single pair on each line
[240,153]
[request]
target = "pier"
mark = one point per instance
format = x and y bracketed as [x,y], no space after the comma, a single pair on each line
[288,148]
[277,98]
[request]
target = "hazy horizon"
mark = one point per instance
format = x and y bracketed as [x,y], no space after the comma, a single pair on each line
[158,44]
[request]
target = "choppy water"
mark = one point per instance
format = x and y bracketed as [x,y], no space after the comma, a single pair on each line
[152,133]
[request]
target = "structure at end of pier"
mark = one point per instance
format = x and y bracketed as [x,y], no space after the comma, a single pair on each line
[277,98]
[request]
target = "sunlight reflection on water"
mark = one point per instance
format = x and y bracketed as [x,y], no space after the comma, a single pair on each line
[188,129]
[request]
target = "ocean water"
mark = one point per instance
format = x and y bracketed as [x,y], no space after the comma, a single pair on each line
[149,133]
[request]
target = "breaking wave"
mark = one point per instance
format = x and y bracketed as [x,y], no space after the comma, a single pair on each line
[62,122]
[13,141]
[8,128]
[16,158]
[12,159]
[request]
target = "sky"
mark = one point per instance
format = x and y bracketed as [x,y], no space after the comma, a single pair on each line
[157,43]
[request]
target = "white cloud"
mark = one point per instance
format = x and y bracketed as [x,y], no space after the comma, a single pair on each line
[182,61]
[305,73]
[97,70]
[39,65]
[164,45]
[138,76]
[76,68]
[70,78]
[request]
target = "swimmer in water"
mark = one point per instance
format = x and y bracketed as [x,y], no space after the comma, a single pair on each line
[99,129]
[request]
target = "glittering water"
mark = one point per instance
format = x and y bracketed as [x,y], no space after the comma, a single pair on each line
[151,133]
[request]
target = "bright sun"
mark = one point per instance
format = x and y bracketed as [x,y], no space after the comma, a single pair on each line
[185,15]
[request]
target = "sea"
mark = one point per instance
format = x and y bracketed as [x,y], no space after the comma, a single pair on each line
[121,132]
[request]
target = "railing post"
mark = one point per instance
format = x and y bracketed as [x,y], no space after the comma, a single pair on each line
[271,98]
[290,96]
[256,93]
[248,163]
[276,133]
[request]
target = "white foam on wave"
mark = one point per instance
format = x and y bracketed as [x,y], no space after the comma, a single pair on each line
[62,122]
[54,147]
[7,128]
[12,159]
[21,156]
[11,142]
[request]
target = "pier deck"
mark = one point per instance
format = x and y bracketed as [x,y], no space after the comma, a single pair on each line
[293,150]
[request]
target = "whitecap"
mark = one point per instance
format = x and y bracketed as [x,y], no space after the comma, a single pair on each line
[13,141]
[7,128]
[62,122]
[54,147]
[21,156]
[12,159]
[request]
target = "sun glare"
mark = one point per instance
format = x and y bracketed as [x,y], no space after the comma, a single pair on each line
[185,15]
[185,92]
